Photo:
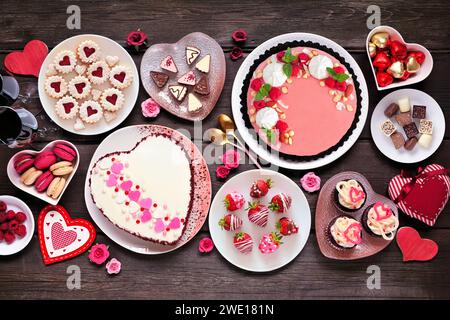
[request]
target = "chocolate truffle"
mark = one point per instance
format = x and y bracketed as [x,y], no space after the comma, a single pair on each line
[391,110]
[388,127]
[411,143]
[398,140]
[411,130]
[419,112]
[403,118]
[426,126]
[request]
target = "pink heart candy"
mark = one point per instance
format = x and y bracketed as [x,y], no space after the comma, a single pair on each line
[112,180]
[159,225]
[146,203]
[126,185]
[175,223]
[134,195]
[117,167]
[146,216]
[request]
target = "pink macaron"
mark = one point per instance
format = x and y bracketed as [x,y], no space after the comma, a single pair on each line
[64,152]
[43,181]
[44,160]
[23,162]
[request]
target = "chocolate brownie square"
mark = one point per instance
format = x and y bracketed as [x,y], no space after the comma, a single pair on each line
[419,112]
[411,130]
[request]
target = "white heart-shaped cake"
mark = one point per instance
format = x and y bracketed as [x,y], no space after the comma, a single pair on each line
[146,191]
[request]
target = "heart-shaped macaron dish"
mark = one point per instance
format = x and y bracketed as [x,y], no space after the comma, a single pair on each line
[186,78]
[45,174]
[394,62]
[352,220]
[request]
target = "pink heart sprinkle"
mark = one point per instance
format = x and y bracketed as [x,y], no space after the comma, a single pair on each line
[146,203]
[117,167]
[146,216]
[134,195]
[112,180]
[126,185]
[159,225]
[175,223]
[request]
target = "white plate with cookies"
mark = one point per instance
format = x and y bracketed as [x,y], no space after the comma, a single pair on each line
[392,139]
[88,84]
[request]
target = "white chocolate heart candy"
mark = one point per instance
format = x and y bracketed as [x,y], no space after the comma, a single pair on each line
[78,125]
[112,60]
[80,69]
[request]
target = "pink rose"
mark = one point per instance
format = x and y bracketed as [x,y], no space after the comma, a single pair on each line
[205,245]
[136,38]
[231,159]
[222,172]
[310,182]
[150,108]
[113,266]
[98,253]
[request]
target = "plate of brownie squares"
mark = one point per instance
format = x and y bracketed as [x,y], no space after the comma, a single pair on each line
[407,125]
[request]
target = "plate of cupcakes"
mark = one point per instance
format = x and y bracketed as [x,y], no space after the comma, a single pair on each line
[408,126]
[352,220]
[260,220]
[88,84]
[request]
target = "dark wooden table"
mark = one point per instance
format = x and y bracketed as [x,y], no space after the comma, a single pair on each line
[185,273]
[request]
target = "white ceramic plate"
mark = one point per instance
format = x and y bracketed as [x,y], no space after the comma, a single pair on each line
[14,177]
[292,245]
[125,139]
[261,150]
[419,153]
[108,48]
[16,204]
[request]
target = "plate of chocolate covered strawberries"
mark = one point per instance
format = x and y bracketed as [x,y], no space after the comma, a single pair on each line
[260,220]
[408,126]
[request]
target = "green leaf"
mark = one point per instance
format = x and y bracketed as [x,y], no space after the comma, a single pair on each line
[287,70]
[263,91]
[339,77]
[288,56]
[269,134]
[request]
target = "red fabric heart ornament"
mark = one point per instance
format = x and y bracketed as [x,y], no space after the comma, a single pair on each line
[60,237]
[413,247]
[28,61]
[424,196]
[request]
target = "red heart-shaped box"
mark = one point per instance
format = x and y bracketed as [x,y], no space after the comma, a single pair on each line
[62,238]
[28,61]
[413,247]
[427,198]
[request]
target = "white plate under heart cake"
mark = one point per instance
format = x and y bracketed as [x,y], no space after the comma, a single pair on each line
[146,191]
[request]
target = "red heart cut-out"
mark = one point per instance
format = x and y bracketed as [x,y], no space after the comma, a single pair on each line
[413,247]
[80,87]
[98,72]
[68,107]
[65,61]
[56,86]
[91,111]
[120,76]
[88,51]
[28,61]
[112,99]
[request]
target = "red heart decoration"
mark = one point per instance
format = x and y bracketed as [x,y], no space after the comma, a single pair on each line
[80,87]
[428,197]
[112,99]
[28,61]
[60,237]
[56,86]
[120,76]
[98,72]
[68,106]
[65,61]
[413,247]
[88,51]
[91,111]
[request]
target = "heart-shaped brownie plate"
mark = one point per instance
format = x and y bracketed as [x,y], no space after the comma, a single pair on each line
[327,211]
[15,177]
[425,68]
[216,76]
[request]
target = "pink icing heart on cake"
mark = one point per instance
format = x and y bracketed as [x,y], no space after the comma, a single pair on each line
[126,185]
[134,195]
[112,181]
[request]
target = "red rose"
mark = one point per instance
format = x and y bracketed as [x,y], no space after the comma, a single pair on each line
[256,84]
[136,38]
[236,53]
[259,104]
[222,172]
[239,35]
[275,93]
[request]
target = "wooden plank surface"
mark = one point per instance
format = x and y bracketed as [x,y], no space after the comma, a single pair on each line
[185,273]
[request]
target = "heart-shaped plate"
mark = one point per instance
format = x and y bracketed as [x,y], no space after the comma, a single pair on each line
[216,75]
[326,211]
[15,177]
[425,68]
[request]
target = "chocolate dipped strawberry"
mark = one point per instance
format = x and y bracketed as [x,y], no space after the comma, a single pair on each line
[230,222]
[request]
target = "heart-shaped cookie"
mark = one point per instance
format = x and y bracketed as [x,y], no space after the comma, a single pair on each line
[60,237]
[15,177]
[425,68]
[414,247]
[28,61]
[428,197]
[208,62]
[327,211]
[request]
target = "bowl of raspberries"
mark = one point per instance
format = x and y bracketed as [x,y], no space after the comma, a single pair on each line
[16,225]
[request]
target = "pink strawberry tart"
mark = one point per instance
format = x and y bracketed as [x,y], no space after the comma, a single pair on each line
[302,101]
[147,191]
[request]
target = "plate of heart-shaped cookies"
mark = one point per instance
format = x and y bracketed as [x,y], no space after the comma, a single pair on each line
[352,220]
[186,78]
